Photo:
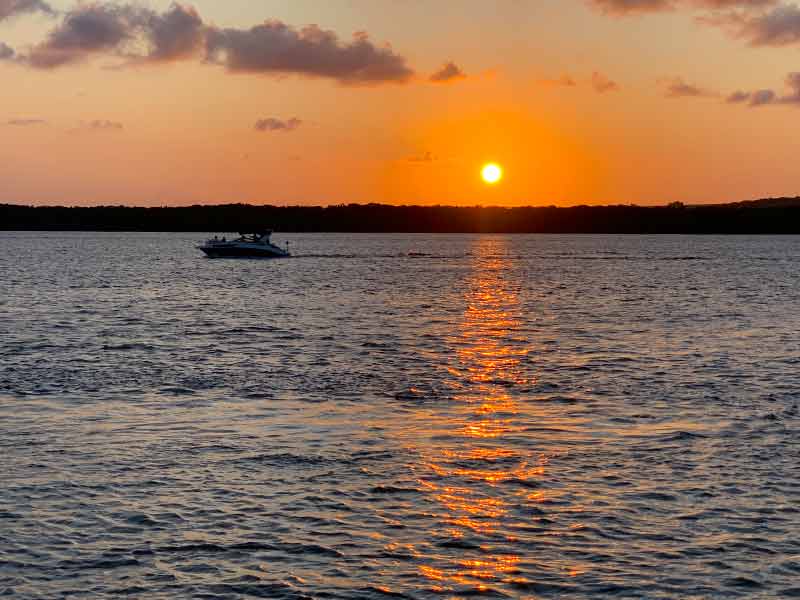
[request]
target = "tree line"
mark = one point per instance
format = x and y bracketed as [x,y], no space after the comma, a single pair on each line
[775,215]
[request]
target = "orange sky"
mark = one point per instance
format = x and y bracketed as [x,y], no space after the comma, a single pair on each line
[581,101]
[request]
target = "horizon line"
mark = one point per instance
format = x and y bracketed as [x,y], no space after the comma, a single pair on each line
[672,204]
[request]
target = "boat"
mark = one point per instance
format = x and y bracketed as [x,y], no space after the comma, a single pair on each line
[250,244]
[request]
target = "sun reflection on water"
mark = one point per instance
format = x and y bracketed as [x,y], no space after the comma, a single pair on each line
[463,474]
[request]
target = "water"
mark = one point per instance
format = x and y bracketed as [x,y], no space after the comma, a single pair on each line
[400,416]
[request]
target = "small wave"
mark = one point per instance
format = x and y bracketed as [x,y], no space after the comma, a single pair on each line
[102,564]
[657,496]
[391,490]
[384,592]
[274,591]
[143,520]
[419,395]
[743,582]
[287,459]
[458,544]
[177,391]
[125,347]
[287,548]
[683,436]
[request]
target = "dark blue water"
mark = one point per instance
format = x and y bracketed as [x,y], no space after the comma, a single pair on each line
[400,416]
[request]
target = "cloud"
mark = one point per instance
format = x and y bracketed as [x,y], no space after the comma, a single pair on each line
[768,97]
[678,88]
[6,52]
[136,33]
[757,22]
[448,72]
[86,30]
[762,98]
[603,84]
[273,124]
[274,48]
[563,81]
[11,8]
[25,122]
[631,7]
[777,27]
[177,34]
[623,8]
[728,4]
[738,97]
[142,35]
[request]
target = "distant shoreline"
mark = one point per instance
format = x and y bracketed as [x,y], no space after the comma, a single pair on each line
[767,216]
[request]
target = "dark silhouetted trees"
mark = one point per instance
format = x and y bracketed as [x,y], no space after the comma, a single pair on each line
[775,215]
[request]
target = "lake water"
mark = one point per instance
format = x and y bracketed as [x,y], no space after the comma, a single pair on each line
[400,416]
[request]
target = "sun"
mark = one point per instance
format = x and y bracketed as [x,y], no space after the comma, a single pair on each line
[492,173]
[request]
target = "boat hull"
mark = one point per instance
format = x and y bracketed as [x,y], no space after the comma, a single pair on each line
[234,252]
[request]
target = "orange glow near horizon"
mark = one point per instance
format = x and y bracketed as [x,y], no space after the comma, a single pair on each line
[550,162]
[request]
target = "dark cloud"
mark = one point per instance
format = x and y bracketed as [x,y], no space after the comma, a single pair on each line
[754,99]
[678,88]
[91,29]
[86,30]
[738,97]
[177,34]
[6,52]
[777,27]
[602,84]
[142,35]
[637,7]
[728,4]
[762,98]
[11,8]
[273,124]
[757,22]
[770,97]
[25,122]
[448,72]
[276,48]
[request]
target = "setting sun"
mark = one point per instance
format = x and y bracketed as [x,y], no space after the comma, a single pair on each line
[492,173]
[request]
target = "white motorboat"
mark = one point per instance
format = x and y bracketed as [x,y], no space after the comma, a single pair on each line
[251,244]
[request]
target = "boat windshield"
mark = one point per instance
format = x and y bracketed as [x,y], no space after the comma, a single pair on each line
[254,237]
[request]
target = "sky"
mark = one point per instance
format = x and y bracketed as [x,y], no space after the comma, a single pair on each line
[398,101]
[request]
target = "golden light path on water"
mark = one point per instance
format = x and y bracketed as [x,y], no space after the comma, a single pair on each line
[464,474]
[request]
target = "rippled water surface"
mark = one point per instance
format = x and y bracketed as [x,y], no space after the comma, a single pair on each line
[400,416]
